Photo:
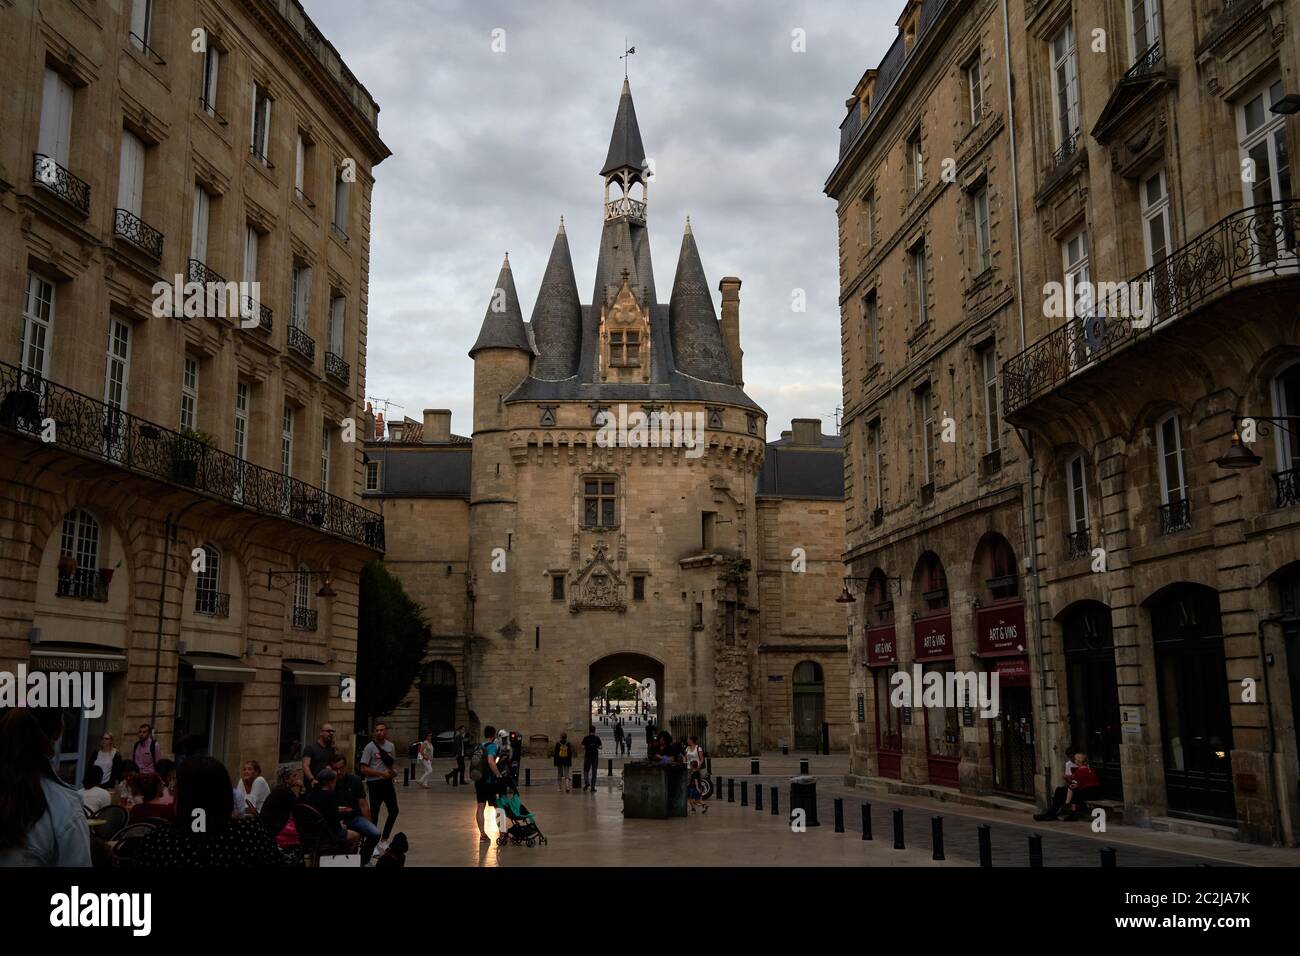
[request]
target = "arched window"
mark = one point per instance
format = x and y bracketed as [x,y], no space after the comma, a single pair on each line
[1078,534]
[1175,511]
[933,582]
[1286,404]
[304,616]
[79,557]
[878,597]
[208,598]
[998,561]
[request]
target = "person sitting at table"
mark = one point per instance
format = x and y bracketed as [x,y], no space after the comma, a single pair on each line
[276,815]
[108,760]
[167,773]
[204,833]
[42,822]
[149,787]
[252,788]
[324,801]
[94,797]
[125,790]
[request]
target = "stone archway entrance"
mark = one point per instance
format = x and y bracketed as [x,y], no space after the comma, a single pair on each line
[638,667]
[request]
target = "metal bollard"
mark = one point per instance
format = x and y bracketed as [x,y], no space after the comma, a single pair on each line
[866,821]
[744,793]
[731,790]
[986,844]
[708,765]
[611,767]
[839,814]
[936,836]
[803,767]
[775,801]
[1035,849]
[753,767]
[406,776]
[898,830]
[528,776]
[577,779]
[1108,857]
[758,797]
[785,750]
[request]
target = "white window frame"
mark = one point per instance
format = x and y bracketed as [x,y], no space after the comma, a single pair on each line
[983,232]
[1064,114]
[209,579]
[338,319]
[251,242]
[342,200]
[1154,212]
[302,589]
[54,138]
[130,178]
[38,325]
[916,159]
[190,393]
[1150,25]
[286,441]
[989,372]
[300,298]
[81,537]
[117,368]
[1288,442]
[260,132]
[242,395]
[1179,455]
[211,77]
[925,399]
[975,88]
[141,23]
[300,165]
[372,476]
[202,213]
[1077,493]
[325,457]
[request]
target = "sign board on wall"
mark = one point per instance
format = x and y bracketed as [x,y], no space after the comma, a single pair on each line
[882,648]
[932,637]
[1000,630]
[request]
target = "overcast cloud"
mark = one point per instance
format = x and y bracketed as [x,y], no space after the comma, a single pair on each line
[490,149]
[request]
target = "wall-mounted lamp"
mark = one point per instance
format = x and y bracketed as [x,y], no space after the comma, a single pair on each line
[1238,456]
[846,596]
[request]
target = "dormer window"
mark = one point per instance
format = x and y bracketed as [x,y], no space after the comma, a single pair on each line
[625,349]
[908,23]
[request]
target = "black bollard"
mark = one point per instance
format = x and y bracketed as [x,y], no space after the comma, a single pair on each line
[528,776]
[803,767]
[898,830]
[753,767]
[406,776]
[1035,849]
[785,750]
[775,802]
[577,780]
[803,797]
[936,836]
[986,844]
[611,767]
[744,793]
[731,790]
[708,765]
[758,797]
[866,821]
[1108,857]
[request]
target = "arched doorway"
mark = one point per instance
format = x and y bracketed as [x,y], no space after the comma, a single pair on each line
[645,671]
[809,704]
[1093,690]
[437,698]
[1192,678]
[933,649]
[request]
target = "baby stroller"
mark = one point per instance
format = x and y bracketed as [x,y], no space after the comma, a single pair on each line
[523,825]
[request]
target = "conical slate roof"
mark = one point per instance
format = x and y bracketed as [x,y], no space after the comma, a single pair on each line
[503,324]
[697,337]
[625,149]
[557,316]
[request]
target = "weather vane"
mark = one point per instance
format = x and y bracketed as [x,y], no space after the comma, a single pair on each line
[627,52]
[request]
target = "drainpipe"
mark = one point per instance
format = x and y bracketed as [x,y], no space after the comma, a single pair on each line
[1036,617]
[169,534]
[1279,798]
[1015,181]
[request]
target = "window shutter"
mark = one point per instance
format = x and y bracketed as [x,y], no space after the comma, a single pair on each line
[130,183]
[56,118]
[298,176]
[140,23]
[337,306]
[250,254]
[199,225]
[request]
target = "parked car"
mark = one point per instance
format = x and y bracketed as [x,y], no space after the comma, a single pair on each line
[444,745]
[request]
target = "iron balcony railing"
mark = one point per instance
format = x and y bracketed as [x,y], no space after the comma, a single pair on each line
[1259,242]
[334,365]
[139,43]
[1078,543]
[84,583]
[339,233]
[265,317]
[96,430]
[139,233]
[302,343]
[1288,487]
[73,191]
[1145,65]
[1066,150]
[212,111]
[197,271]
[1175,516]
[303,197]
[212,603]
[304,619]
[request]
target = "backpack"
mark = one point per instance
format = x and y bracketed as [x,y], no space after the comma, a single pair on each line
[564,751]
[478,764]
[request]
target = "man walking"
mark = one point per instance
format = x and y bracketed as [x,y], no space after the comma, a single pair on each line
[485,784]
[618,737]
[145,753]
[456,776]
[316,756]
[379,767]
[590,760]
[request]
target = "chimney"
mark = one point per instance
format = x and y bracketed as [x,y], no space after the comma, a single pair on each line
[379,427]
[807,432]
[437,425]
[729,286]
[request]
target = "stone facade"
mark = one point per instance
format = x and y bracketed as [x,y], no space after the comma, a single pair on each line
[149,484]
[1164,585]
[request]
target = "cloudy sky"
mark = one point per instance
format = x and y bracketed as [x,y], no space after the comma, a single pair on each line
[491,148]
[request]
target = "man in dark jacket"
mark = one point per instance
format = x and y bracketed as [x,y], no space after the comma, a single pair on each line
[590,760]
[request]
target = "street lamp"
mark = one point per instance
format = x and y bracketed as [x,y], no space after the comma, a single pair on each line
[1238,456]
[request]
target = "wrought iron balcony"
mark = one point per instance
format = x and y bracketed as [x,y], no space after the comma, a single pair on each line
[1145,65]
[338,233]
[139,43]
[1066,150]
[877,517]
[1256,243]
[95,430]
[265,317]
[139,233]
[334,365]
[991,463]
[212,603]
[198,272]
[634,209]
[211,111]
[304,619]
[1288,487]
[303,198]
[86,584]
[302,343]
[1078,544]
[261,157]
[73,191]
[1175,516]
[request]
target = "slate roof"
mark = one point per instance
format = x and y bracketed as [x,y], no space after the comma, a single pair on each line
[803,471]
[556,323]
[625,149]
[503,323]
[410,470]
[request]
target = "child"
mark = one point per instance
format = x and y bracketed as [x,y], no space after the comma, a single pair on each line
[693,788]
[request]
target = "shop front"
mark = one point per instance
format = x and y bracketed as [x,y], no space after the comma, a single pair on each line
[934,650]
[1001,644]
[82,731]
[882,660]
[208,693]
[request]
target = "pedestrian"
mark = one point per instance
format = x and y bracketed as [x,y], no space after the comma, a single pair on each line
[649,734]
[627,744]
[694,787]
[1061,795]
[42,821]
[483,771]
[563,761]
[694,752]
[145,752]
[618,737]
[426,759]
[456,776]
[317,756]
[353,807]
[1084,787]
[108,760]
[94,795]
[378,768]
[590,760]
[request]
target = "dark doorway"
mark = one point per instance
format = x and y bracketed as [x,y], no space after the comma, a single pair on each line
[437,698]
[1195,724]
[1289,586]
[809,705]
[1013,742]
[1094,692]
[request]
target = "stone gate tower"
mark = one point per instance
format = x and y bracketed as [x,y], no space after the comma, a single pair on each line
[595,553]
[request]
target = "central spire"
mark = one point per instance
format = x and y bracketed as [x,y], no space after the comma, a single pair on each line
[626,154]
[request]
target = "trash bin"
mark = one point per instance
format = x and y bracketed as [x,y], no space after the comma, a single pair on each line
[803,796]
[654,791]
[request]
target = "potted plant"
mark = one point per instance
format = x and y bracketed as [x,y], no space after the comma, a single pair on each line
[106,575]
[188,449]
